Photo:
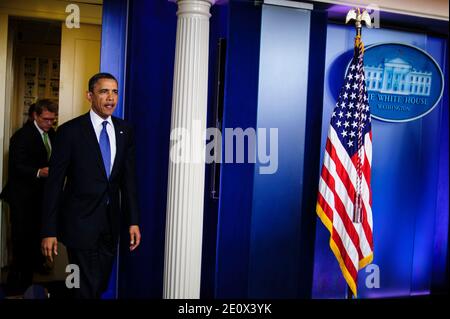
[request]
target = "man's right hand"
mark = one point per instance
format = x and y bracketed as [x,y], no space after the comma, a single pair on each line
[49,246]
[43,172]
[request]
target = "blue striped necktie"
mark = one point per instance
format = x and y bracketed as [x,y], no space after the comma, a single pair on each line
[105,148]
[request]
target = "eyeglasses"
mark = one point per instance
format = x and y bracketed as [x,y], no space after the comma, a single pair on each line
[49,120]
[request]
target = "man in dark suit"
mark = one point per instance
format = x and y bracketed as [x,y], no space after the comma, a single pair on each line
[92,181]
[29,152]
[4,194]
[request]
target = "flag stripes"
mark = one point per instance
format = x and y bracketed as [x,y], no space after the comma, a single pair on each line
[346,173]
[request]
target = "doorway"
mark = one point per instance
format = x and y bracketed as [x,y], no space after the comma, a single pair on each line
[36,65]
[34,47]
[45,59]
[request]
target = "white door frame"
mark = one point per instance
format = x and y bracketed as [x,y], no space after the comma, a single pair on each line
[90,13]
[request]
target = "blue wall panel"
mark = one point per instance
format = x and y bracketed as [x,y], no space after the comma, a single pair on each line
[218,29]
[311,161]
[264,250]
[440,258]
[240,107]
[433,131]
[112,60]
[282,101]
[113,48]
[151,51]
[405,172]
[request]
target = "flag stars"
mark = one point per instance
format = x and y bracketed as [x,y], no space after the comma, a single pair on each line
[351,115]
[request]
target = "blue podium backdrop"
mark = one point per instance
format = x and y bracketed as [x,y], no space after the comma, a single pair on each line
[266,223]
[409,183]
[284,68]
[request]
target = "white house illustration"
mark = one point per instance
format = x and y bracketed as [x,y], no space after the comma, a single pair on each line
[397,76]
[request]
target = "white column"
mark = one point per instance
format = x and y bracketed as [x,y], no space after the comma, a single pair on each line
[184,220]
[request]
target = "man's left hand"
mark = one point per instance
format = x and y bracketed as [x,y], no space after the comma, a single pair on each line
[135,237]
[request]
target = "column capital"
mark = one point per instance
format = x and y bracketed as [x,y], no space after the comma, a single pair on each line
[194,7]
[212,2]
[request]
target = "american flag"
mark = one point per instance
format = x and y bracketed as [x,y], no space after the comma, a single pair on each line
[344,201]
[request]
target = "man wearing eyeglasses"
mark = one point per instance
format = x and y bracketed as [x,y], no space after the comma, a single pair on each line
[29,153]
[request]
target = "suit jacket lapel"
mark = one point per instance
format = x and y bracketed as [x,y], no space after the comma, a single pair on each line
[38,138]
[91,138]
[51,135]
[119,145]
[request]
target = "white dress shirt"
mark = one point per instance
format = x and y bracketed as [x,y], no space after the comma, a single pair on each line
[98,126]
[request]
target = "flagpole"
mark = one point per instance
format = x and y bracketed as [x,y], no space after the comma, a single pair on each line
[349,292]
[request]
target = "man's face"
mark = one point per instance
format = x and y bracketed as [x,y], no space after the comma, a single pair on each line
[45,120]
[104,97]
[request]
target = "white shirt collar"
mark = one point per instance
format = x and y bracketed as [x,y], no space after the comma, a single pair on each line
[37,126]
[97,120]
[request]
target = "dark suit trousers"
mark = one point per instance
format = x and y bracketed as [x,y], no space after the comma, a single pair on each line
[95,265]
[27,256]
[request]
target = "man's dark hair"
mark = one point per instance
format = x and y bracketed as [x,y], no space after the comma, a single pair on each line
[94,79]
[32,109]
[45,104]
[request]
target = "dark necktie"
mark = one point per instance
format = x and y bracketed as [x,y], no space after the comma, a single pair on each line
[105,148]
